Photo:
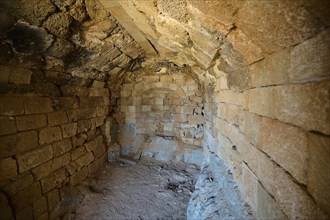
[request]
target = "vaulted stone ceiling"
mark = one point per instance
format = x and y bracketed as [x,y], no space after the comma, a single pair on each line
[103,38]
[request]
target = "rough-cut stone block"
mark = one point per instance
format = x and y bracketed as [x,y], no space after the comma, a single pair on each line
[249,186]
[124,94]
[64,103]
[34,105]
[290,197]
[102,110]
[94,167]
[40,206]
[85,159]
[55,179]
[99,121]
[229,96]
[34,158]
[69,130]
[50,166]
[98,92]
[20,75]
[309,59]
[98,84]
[28,122]
[79,177]
[280,31]
[245,46]
[287,145]
[8,168]
[78,152]
[21,182]
[18,143]
[196,119]
[7,125]
[49,135]
[68,90]
[95,143]
[53,198]
[57,118]
[151,79]
[273,70]
[127,87]
[11,106]
[62,147]
[318,175]
[305,105]
[266,206]
[79,140]
[146,108]
[25,197]
[251,127]
[84,126]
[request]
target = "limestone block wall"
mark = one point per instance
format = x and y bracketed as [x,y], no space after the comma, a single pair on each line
[52,136]
[273,132]
[162,117]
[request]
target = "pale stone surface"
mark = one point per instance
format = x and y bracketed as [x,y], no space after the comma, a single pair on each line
[303,105]
[308,58]
[318,176]
[287,145]
[287,24]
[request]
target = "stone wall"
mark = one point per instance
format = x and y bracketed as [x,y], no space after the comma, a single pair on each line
[273,131]
[53,135]
[161,116]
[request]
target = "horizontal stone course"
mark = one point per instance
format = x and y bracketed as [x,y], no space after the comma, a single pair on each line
[29,122]
[18,143]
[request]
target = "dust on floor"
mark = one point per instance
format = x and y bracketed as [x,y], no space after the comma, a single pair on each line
[146,190]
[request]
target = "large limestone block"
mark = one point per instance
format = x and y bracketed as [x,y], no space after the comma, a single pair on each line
[172,29]
[287,23]
[267,207]
[309,60]
[272,70]
[34,158]
[286,145]
[59,24]
[49,135]
[7,125]
[249,186]
[305,62]
[28,122]
[205,41]
[55,179]
[18,143]
[290,196]
[304,105]
[318,180]
[223,11]
[50,166]
[245,46]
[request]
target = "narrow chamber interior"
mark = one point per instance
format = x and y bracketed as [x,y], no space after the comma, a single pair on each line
[237,84]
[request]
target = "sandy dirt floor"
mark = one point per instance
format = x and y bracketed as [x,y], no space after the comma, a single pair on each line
[146,190]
